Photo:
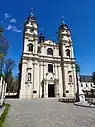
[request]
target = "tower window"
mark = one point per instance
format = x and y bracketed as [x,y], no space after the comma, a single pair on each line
[67,52]
[30,47]
[29,77]
[86,85]
[91,85]
[70,78]
[50,68]
[31,30]
[81,85]
[49,51]
[59,51]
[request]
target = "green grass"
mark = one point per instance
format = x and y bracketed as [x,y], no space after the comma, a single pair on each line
[4,114]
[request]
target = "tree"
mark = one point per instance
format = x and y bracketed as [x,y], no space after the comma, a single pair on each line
[8,66]
[16,83]
[3,48]
[77,68]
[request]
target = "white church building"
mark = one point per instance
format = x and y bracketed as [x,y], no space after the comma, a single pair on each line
[47,67]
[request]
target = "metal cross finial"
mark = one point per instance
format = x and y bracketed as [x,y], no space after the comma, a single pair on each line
[63,19]
[41,29]
[31,12]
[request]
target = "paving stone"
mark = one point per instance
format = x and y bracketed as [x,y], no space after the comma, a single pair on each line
[48,113]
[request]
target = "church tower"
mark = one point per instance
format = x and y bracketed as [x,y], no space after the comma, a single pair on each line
[67,60]
[28,63]
[30,35]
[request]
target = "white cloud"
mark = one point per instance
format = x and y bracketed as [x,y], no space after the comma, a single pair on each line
[10,27]
[6,15]
[13,28]
[13,20]
[16,30]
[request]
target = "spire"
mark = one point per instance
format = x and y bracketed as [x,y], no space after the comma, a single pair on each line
[63,25]
[63,20]
[31,13]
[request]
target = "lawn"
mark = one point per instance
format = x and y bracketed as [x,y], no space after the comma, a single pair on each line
[4,114]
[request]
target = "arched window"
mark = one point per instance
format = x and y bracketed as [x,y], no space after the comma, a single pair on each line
[67,52]
[30,47]
[91,85]
[49,51]
[70,78]
[50,68]
[31,30]
[86,85]
[29,77]
[81,85]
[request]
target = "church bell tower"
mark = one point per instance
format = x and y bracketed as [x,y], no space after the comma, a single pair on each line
[67,60]
[30,35]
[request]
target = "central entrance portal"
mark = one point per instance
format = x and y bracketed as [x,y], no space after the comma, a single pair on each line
[51,90]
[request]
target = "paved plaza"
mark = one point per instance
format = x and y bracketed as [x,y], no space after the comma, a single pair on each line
[48,113]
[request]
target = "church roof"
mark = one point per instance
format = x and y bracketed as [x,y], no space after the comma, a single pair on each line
[63,26]
[31,17]
[84,78]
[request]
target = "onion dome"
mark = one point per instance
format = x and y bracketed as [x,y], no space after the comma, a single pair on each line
[41,38]
[63,26]
[30,18]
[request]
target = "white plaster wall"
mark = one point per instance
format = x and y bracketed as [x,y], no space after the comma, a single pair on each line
[40,77]
[88,88]
[60,82]
[23,80]
[36,79]
[25,45]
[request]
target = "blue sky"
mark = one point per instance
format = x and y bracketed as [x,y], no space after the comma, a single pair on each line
[79,15]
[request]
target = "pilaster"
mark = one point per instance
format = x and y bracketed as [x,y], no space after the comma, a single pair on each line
[64,79]
[45,88]
[36,79]
[56,87]
[23,80]
[40,78]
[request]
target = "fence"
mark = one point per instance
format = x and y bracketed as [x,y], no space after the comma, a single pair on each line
[3,86]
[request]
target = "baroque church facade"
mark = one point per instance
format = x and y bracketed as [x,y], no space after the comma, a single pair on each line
[47,68]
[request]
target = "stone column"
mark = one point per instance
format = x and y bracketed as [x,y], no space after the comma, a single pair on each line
[45,88]
[72,52]
[35,44]
[40,78]
[56,71]
[56,88]
[36,79]
[64,79]
[44,64]
[74,78]
[60,82]
[23,80]
[45,82]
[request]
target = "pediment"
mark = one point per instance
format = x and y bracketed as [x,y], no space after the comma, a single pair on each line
[49,42]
